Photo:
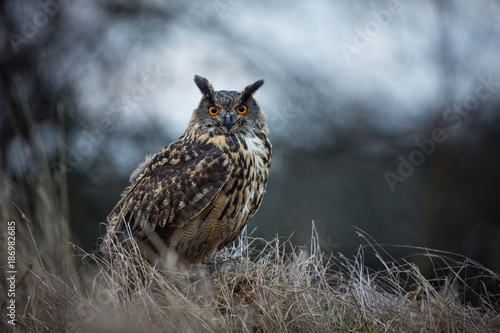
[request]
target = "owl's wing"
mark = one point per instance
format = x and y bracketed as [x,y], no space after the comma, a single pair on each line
[181,181]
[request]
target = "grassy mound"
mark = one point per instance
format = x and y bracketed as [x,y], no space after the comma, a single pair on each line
[277,288]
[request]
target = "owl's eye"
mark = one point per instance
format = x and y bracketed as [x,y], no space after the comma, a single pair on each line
[213,110]
[242,109]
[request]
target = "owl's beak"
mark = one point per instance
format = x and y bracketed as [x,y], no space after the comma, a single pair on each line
[228,121]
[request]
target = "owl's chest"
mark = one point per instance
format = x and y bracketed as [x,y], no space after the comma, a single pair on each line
[241,196]
[250,169]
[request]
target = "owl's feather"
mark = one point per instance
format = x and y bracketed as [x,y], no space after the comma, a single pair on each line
[181,181]
[140,169]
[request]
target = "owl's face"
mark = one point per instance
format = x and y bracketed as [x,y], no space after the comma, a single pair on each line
[228,112]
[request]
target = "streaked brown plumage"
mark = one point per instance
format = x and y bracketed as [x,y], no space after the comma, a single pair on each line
[198,193]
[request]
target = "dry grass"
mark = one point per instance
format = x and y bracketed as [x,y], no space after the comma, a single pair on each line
[253,286]
[278,288]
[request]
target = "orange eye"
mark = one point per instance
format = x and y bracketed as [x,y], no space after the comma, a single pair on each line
[213,110]
[242,109]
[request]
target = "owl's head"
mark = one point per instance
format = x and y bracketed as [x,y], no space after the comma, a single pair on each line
[228,112]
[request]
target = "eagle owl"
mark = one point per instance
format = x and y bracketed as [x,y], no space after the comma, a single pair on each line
[195,195]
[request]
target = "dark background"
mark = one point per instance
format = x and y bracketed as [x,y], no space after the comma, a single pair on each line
[351,91]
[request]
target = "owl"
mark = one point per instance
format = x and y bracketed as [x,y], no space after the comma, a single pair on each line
[195,195]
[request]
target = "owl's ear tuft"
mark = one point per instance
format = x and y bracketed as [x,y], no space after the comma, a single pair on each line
[205,87]
[250,89]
